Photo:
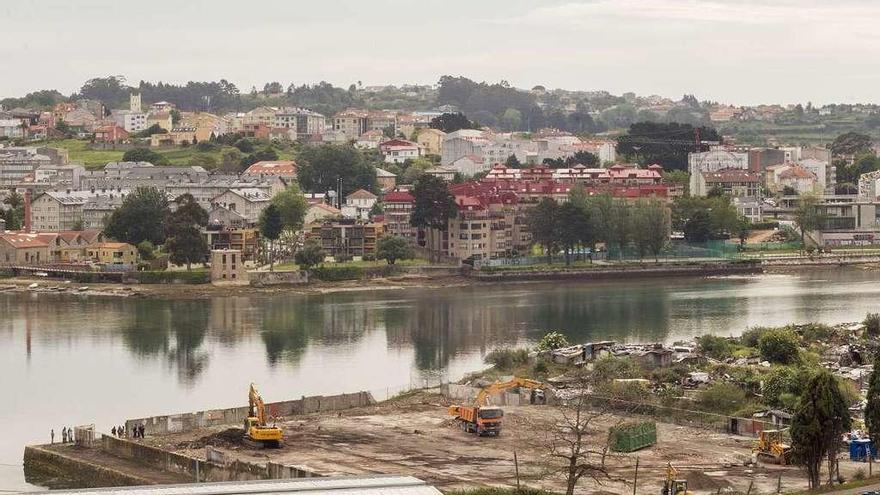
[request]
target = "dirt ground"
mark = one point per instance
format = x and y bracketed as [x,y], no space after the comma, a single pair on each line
[415,436]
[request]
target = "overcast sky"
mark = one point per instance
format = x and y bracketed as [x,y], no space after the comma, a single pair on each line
[735,51]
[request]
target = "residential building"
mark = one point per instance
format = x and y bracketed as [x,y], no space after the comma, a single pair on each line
[206,124]
[63,210]
[131,175]
[351,122]
[461,143]
[382,121]
[347,237]
[369,140]
[305,122]
[24,248]
[130,120]
[445,172]
[11,128]
[385,179]
[96,210]
[245,240]
[319,212]
[111,133]
[227,265]
[113,253]
[82,121]
[734,182]
[800,180]
[18,163]
[224,218]
[247,202]
[176,137]
[260,115]
[284,169]
[713,160]
[162,119]
[358,204]
[398,207]
[162,107]
[402,153]
[430,140]
[468,165]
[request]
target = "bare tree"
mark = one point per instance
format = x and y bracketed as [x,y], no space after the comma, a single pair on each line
[571,445]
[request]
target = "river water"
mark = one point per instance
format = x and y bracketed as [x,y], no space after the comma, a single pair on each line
[70,360]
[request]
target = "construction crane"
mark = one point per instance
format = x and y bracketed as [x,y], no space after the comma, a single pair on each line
[483,419]
[673,485]
[256,430]
[771,447]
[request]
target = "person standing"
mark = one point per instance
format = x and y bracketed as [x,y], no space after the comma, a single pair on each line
[113,431]
[141,429]
[63,434]
[52,435]
[70,434]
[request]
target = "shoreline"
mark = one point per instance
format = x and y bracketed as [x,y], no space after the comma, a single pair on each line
[563,275]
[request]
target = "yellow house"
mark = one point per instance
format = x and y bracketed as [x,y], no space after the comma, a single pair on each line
[162,119]
[113,253]
[430,140]
[175,137]
[204,123]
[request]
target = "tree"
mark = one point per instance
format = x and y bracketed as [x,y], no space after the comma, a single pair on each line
[451,122]
[852,143]
[620,225]
[146,250]
[14,215]
[292,206]
[267,155]
[310,255]
[542,221]
[569,440]
[872,325]
[244,145]
[144,155]
[175,116]
[271,225]
[141,217]
[149,131]
[808,216]
[872,409]
[392,248]
[584,158]
[434,204]
[184,241]
[551,341]
[665,144]
[782,382]
[320,168]
[779,346]
[511,120]
[651,227]
[512,162]
[415,169]
[714,346]
[820,419]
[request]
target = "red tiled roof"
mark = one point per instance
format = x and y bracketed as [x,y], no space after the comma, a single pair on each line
[282,167]
[398,197]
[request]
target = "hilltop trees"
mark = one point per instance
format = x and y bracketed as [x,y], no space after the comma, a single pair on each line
[852,143]
[451,122]
[664,144]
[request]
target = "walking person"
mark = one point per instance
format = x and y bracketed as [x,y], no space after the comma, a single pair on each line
[52,435]
[141,430]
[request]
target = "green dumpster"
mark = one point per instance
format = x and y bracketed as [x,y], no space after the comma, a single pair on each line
[631,437]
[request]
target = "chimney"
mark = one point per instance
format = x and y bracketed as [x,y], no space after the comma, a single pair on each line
[27,210]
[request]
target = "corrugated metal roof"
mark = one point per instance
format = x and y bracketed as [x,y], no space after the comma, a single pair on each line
[346,485]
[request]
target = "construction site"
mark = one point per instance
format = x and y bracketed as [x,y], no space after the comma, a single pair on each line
[416,435]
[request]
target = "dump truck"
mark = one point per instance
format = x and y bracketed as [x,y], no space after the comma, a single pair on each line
[483,419]
[257,432]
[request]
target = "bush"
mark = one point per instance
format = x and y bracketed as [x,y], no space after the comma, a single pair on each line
[750,337]
[817,332]
[872,324]
[338,273]
[779,346]
[715,347]
[859,474]
[552,340]
[369,257]
[782,383]
[540,366]
[146,250]
[723,398]
[609,367]
[670,374]
[507,359]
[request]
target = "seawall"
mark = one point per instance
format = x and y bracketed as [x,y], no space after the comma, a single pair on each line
[622,272]
[41,463]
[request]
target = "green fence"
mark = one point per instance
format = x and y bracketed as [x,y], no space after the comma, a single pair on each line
[681,250]
[633,436]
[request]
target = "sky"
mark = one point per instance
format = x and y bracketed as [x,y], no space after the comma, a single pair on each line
[733,51]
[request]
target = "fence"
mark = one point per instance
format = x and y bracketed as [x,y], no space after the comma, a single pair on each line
[685,417]
[416,383]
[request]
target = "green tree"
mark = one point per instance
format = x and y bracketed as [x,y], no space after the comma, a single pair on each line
[542,221]
[782,381]
[511,119]
[149,131]
[415,169]
[144,155]
[808,215]
[146,250]
[392,248]
[434,204]
[852,143]
[820,419]
[320,168]
[175,116]
[451,122]
[271,225]
[292,206]
[572,228]
[310,255]
[872,325]
[141,217]
[552,340]
[779,345]
[14,215]
[872,409]
[714,346]
[264,155]
[184,241]
[512,162]
[619,225]
[651,227]
[666,144]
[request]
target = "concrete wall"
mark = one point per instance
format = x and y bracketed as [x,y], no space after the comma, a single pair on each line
[43,463]
[262,279]
[645,271]
[219,467]
[175,423]
[468,394]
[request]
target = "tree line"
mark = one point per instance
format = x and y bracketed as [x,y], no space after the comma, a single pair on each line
[584,221]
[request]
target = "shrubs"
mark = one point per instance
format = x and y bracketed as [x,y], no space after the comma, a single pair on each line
[724,398]
[507,359]
[609,367]
[783,384]
[338,273]
[750,337]
[818,332]
[779,346]
[872,324]
[552,340]
[715,347]
[369,257]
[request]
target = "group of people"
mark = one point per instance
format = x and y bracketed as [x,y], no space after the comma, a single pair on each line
[136,432]
[66,435]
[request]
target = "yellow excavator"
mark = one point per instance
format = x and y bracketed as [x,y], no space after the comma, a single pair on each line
[674,486]
[256,430]
[483,419]
[771,447]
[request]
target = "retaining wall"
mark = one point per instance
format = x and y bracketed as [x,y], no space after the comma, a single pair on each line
[48,464]
[644,271]
[263,279]
[825,260]
[176,423]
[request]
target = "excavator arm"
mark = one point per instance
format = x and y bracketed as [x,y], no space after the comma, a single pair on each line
[258,409]
[483,396]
